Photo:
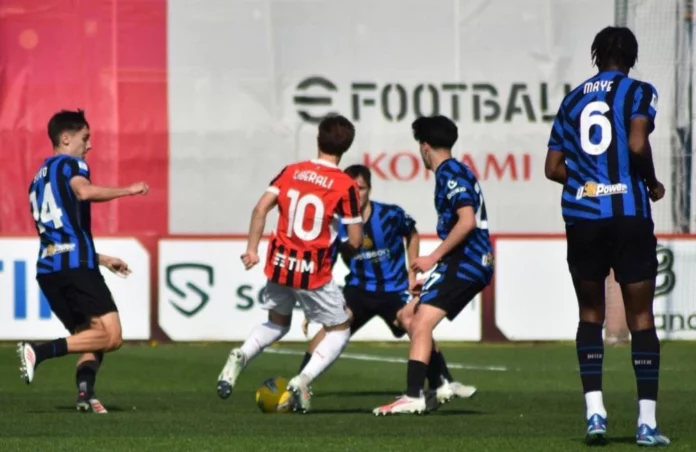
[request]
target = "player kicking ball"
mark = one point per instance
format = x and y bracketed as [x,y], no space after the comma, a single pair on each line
[463,261]
[379,281]
[600,152]
[68,264]
[312,197]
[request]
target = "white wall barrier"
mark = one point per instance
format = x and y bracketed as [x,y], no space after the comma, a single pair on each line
[24,312]
[205,294]
[534,298]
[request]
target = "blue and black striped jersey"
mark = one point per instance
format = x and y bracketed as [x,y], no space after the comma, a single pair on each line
[380,264]
[61,220]
[457,187]
[592,129]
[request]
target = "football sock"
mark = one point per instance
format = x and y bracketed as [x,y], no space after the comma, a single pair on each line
[444,370]
[86,376]
[415,377]
[590,349]
[328,350]
[261,337]
[645,348]
[53,349]
[305,360]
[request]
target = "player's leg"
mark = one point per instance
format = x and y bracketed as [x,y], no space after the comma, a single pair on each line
[588,261]
[88,365]
[327,307]
[280,301]
[635,268]
[74,296]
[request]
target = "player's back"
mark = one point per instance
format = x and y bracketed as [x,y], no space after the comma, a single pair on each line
[61,220]
[592,128]
[313,196]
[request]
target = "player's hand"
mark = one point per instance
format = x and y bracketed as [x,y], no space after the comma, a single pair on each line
[249,259]
[423,264]
[138,188]
[116,266]
[657,192]
[305,328]
[415,285]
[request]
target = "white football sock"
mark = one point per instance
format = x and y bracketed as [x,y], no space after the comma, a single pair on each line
[646,413]
[328,350]
[261,337]
[595,404]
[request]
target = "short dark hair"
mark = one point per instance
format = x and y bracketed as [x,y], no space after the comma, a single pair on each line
[355,171]
[615,45]
[65,121]
[437,131]
[336,134]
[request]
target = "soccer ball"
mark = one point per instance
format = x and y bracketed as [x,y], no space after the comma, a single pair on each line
[273,396]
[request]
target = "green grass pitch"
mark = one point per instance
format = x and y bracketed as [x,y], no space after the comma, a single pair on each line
[163,399]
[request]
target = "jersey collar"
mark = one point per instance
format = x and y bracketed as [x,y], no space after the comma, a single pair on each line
[323,162]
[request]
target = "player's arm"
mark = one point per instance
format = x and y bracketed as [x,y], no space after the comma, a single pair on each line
[86,191]
[466,223]
[348,211]
[407,229]
[114,264]
[555,166]
[642,124]
[256,227]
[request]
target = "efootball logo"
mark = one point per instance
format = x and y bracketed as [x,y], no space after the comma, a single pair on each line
[593,190]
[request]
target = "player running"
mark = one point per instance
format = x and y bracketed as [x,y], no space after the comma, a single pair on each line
[312,198]
[463,261]
[600,152]
[379,280]
[67,269]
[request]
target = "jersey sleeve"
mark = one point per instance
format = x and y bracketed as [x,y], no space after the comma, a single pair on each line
[405,223]
[348,208]
[75,167]
[276,184]
[556,138]
[645,104]
[459,192]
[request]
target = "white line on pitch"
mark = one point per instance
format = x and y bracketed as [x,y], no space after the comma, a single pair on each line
[388,359]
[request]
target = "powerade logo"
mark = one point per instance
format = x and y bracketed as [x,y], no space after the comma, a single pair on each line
[19,284]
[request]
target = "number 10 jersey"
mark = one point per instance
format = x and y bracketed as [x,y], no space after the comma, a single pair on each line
[591,129]
[313,197]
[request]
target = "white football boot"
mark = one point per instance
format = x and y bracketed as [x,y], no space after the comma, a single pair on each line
[301,394]
[449,390]
[27,359]
[228,377]
[403,405]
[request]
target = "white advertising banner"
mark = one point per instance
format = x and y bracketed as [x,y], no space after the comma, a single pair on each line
[535,300]
[25,313]
[205,294]
[499,68]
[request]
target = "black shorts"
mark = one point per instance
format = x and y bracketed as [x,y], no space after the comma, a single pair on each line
[447,291]
[626,244]
[365,305]
[77,295]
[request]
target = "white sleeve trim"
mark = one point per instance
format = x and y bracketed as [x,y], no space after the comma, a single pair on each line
[273,189]
[355,220]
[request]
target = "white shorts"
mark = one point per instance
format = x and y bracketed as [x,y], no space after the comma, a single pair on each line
[324,305]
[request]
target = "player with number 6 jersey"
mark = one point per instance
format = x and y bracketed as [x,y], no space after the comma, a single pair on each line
[68,264]
[312,197]
[599,150]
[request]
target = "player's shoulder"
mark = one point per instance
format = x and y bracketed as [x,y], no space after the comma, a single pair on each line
[453,169]
[388,209]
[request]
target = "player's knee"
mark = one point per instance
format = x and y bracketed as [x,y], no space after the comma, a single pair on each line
[114,342]
[639,321]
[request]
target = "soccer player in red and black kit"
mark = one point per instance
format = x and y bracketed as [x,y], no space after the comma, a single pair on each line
[68,264]
[312,198]
[600,152]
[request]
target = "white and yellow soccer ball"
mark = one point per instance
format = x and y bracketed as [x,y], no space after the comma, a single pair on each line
[273,396]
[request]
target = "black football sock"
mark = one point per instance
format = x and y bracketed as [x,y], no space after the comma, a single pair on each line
[86,376]
[415,377]
[645,348]
[305,360]
[433,373]
[444,370]
[53,349]
[590,348]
